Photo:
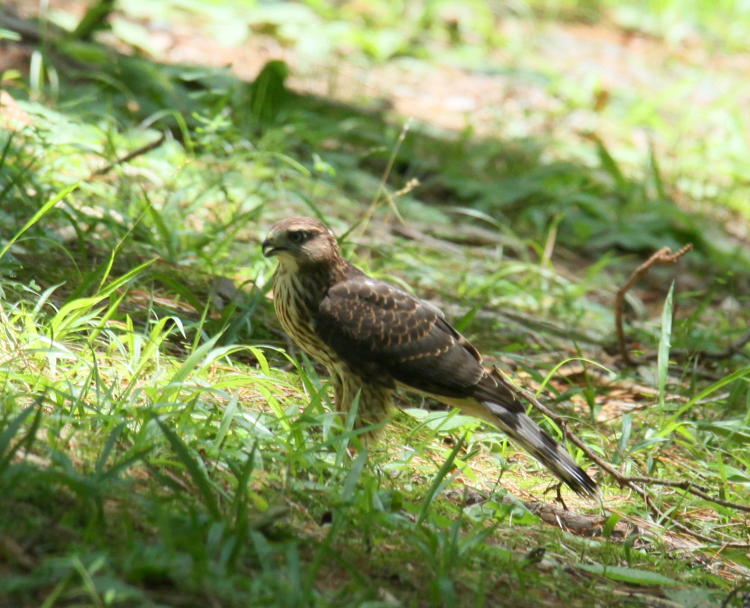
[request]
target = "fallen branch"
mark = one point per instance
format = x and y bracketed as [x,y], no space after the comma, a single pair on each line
[578,523]
[130,156]
[632,482]
[663,256]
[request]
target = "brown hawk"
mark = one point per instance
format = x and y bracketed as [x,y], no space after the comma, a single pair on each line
[374,337]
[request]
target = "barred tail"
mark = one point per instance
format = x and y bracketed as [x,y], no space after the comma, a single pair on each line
[524,431]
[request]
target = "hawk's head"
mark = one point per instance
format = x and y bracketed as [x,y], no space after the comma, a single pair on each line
[300,242]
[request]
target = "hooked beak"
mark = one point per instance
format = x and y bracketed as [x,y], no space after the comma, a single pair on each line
[270,249]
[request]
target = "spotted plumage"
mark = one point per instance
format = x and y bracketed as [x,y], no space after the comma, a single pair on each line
[374,337]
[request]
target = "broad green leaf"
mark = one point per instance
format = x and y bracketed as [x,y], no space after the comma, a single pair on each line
[634,576]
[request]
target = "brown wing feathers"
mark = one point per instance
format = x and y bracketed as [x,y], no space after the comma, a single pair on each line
[407,338]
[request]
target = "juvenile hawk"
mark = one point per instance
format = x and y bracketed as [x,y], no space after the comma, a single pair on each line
[374,337]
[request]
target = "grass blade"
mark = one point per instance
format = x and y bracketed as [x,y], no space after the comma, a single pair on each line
[740,373]
[108,447]
[662,361]
[437,482]
[226,420]
[43,210]
[350,483]
[196,471]
[13,427]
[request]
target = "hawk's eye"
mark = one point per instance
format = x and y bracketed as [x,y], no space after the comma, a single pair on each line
[297,237]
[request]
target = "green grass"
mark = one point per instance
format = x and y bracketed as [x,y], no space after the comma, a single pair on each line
[159,447]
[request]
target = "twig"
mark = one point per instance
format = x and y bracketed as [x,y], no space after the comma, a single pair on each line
[131,155]
[647,498]
[28,29]
[683,353]
[624,480]
[361,224]
[663,256]
[730,350]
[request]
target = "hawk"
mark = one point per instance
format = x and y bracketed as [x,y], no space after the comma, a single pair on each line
[374,338]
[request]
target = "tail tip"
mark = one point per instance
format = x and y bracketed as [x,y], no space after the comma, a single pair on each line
[582,484]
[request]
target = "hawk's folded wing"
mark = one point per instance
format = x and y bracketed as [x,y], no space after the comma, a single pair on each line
[380,329]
